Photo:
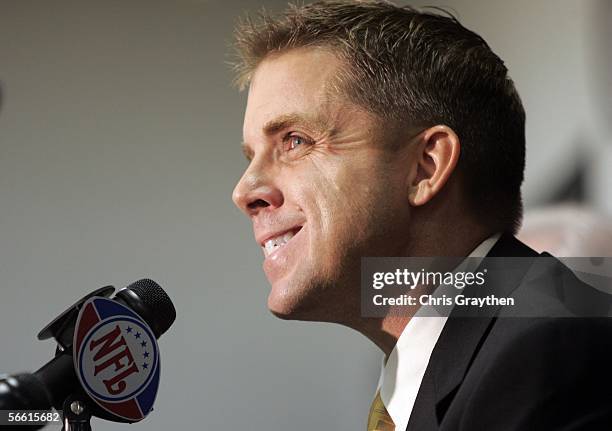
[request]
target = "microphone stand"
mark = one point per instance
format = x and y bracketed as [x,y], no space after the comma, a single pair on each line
[77,413]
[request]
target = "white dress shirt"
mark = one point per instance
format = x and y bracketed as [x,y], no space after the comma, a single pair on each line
[403,371]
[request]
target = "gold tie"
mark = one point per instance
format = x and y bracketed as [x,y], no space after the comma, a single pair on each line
[379,419]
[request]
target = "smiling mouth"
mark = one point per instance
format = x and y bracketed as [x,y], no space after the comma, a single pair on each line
[275,243]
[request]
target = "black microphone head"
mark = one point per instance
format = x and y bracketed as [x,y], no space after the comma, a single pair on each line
[151,303]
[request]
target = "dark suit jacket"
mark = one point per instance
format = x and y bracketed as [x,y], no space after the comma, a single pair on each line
[495,373]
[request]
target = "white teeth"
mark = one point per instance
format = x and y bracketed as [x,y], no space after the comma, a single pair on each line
[277,242]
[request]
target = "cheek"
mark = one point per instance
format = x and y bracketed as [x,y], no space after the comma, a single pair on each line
[319,195]
[341,198]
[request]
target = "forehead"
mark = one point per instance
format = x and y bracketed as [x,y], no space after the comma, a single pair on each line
[293,82]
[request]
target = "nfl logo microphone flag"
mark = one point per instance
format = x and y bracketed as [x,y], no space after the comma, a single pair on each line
[116,358]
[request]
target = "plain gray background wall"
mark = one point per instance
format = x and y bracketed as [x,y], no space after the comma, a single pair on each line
[119,149]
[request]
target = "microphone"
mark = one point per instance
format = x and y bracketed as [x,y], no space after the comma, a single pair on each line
[70,370]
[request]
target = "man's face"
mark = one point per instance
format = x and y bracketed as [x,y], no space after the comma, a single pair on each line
[322,188]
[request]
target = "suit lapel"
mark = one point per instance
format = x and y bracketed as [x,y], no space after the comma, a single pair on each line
[460,340]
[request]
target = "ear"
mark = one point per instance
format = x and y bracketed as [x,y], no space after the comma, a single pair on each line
[436,156]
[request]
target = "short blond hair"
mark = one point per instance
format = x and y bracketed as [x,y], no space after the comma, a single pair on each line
[419,69]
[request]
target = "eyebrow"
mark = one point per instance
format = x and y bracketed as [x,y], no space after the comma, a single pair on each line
[285,121]
[289,120]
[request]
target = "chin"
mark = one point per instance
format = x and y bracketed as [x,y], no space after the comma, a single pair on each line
[284,305]
[313,302]
[294,302]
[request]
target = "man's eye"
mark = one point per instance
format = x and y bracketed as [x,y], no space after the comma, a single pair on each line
[294,141]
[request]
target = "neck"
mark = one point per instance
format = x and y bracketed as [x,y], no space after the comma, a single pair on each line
[385,331]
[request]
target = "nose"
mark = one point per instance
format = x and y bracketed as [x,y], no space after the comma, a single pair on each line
[256,191]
